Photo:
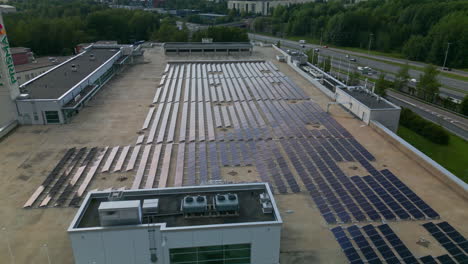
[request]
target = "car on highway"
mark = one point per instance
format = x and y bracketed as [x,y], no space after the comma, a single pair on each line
[325,47]
[302,41]
[316,50]
[353,59]
[366,70]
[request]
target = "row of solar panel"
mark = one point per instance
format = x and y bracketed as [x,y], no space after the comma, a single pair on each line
[204,160]
[375,246]
[223,88]
[333,191]
[454,242]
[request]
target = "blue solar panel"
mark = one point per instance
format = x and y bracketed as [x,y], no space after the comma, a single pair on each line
[428,260]
[445,259]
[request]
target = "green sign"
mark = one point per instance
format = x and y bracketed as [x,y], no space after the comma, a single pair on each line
[8,59]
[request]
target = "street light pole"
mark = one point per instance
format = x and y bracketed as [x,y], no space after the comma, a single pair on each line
[370,42]
[321,35]
[347,78]
[446,54]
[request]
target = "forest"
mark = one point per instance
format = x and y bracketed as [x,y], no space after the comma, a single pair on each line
[55,27]
[417,29]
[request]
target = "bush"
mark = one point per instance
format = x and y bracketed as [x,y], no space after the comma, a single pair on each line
[427,129]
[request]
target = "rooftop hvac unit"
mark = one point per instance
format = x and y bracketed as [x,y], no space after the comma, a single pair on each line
[150,206]
[267,207]
[264,197]
[194,204]
[226,202]
[115,213]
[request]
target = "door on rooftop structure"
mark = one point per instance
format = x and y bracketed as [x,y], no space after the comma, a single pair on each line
[52,117]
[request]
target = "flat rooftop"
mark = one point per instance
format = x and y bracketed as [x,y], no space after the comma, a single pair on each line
[369,99]
[115,117]
[170,200]
[41,63]
[56,82]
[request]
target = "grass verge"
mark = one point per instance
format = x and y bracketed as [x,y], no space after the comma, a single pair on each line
[453,156]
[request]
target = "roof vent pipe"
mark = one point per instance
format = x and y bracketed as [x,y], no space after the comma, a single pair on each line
[73,68]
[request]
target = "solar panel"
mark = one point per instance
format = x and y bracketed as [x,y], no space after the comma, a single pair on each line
[428,260]
[445,259]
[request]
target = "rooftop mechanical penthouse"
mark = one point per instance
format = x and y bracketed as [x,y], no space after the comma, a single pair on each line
[232,223]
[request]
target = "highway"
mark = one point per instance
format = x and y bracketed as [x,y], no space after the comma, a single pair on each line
[451,87]
[450,121]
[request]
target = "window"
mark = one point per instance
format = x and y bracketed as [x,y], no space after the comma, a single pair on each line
[225,254]
[52,117]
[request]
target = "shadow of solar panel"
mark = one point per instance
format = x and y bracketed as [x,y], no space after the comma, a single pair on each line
[445,259]
[428,260]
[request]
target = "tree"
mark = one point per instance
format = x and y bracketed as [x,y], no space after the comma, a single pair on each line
[380,85]
[327,64]
[428,85]
[464,106]
[402,78]
[353,78]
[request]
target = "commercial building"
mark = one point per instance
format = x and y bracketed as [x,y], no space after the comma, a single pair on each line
[57,94]
[262,7]
[232,223]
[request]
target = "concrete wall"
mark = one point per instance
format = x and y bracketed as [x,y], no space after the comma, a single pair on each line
[32,112]
[430,165]
[353,105]
[127,246]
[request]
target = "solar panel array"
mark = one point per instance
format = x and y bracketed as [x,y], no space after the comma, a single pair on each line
[206,116]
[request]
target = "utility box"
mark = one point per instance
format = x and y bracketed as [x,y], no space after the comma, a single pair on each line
[226,202]
[116,213]
[150,206]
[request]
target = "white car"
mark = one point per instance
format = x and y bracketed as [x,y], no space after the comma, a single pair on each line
[302,41]
[413,80]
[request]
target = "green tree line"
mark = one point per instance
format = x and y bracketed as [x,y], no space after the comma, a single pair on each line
[418,29]
[55,27]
